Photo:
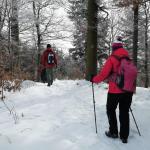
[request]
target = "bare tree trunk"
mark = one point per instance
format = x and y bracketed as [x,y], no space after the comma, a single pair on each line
[2,15]
[36,18]
[91,48]
[0,22]
[146,47]
[15,32]
[135,33]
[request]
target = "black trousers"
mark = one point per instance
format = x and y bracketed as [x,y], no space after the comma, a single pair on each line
[124,101]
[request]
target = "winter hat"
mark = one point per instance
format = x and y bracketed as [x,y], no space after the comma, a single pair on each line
[48,45]
[117,44]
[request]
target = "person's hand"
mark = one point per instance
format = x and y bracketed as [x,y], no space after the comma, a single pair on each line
[91,77]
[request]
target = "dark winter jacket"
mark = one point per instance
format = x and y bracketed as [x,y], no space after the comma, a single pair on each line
[111,66]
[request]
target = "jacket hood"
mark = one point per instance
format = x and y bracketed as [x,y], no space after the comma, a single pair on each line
[120,52]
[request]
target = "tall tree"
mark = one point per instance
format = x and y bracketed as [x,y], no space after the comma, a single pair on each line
[77,14]
[145,24]
[135,30]
[36,12]
[91,48]
[3,9]
[15,29]
[13,37]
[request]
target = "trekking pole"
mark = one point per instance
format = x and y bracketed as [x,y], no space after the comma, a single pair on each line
[94,107]
[135,122]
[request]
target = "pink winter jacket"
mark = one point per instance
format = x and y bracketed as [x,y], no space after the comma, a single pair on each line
[109,67]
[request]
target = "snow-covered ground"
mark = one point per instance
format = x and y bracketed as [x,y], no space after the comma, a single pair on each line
[61,117]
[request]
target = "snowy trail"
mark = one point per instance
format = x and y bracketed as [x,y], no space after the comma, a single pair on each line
[61,117]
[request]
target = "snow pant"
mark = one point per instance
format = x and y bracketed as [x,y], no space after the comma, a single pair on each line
[43,75]
[124,101]
[49,74]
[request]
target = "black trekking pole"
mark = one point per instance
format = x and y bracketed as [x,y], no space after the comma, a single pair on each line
[94,107]
[135,122]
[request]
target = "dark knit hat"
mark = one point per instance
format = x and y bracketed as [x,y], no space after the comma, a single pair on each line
[48,45]
[117,44]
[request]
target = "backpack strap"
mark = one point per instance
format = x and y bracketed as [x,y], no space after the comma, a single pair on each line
[113,75]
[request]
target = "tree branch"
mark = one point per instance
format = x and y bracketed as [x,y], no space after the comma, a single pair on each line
[102,8]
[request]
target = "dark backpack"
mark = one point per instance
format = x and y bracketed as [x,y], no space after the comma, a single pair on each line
[126,75]
[50,58]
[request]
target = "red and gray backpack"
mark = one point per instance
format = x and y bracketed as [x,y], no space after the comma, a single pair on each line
[126,75]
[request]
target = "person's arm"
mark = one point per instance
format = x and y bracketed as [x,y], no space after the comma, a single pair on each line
[104,73]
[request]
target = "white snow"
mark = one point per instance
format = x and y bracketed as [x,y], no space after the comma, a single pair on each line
[61,117]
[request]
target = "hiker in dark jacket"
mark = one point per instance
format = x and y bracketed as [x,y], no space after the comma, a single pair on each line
[116,96]
[48,60]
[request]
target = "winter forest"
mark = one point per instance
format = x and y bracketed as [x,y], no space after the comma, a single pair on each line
[27,26]
[34,116]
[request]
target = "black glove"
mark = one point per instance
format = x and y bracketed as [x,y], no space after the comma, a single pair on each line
[91,77]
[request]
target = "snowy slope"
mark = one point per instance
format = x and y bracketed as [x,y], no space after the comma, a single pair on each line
[61,117]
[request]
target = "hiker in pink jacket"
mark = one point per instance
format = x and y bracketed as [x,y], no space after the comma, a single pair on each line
[116,96]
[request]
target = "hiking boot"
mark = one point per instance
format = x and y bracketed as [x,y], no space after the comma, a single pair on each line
[124,140]
[111,135]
